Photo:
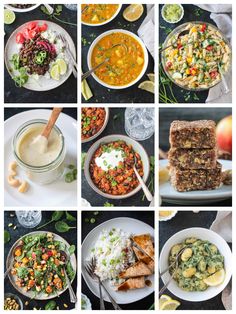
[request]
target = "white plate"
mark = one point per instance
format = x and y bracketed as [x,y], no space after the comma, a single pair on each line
[58,193]
[203,234]
[31,294]
[42,84]
[129,225]
[170,195]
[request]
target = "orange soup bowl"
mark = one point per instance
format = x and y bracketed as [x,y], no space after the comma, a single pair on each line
[99,14]
[127,61]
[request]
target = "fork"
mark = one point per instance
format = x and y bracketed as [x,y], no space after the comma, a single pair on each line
[71,57]
[90,269]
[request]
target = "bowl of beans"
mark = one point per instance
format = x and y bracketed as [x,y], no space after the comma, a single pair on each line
[21,8]
[93,122]
[109,166]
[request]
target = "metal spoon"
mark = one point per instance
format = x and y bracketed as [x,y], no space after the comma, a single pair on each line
[143,185]
[84,9]
[184,32]
[64,258]
[88,73]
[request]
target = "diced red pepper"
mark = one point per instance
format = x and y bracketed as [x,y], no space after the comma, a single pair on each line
[49,253]
[203,28]
[193,71]
[179,46]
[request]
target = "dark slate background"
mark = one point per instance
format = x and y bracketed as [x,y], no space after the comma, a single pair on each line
[145,216]
[184,220]
[114,126]
[100,93]
[67,92]
[70,236]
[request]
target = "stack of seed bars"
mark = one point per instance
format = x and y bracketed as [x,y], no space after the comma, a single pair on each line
[193,156]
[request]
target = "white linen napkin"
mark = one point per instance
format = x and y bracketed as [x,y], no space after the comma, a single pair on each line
[147,29]
[223,226]
[221,14]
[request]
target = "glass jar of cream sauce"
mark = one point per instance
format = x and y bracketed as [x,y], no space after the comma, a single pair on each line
[42,166]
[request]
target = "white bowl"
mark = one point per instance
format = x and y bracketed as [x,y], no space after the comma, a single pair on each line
[108,139]
[203,234]
[182,14]
[9,7]
[105,22]
[118,31]
[101,130]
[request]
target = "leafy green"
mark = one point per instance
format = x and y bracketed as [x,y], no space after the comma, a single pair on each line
[7,236]
[56,13]
[62,226]
[107,204]
[22,78]
[70,271]
[71,249]
[55,217]
[51,305]
[22,272]
[69,217]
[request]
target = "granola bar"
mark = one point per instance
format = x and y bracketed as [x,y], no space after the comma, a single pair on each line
[203,158]
[193,134]
[191,180]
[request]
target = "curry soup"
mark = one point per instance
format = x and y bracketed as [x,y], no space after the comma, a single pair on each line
[97,13]
[125,61]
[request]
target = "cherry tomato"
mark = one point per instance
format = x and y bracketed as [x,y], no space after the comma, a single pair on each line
[213,74]
[26,33]
[169,64]
[20,38]
[43,27]
[209,48]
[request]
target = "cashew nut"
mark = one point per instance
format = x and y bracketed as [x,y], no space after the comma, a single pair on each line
[12,168]
[13,181]
[23,187]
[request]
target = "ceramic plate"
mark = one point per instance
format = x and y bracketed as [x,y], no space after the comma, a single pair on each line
[42,84]
[127,224]
[170,195]
[31,294]
[58,193]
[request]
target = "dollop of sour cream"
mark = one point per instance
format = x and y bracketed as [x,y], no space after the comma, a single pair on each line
[109,160]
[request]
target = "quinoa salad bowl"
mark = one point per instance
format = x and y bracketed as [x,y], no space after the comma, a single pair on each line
[199,58]
[35,56]
[37,265]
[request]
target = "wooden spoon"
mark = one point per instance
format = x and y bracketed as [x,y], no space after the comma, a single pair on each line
[52,120]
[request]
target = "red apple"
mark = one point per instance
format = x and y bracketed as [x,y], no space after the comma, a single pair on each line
[224,134]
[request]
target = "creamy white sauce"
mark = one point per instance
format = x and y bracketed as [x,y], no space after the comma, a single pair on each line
[36,150]
[109,160]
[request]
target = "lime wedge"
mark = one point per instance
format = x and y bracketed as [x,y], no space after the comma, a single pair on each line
[151,77]
[148,86]
[9,16]
[55,72]
[62,66]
